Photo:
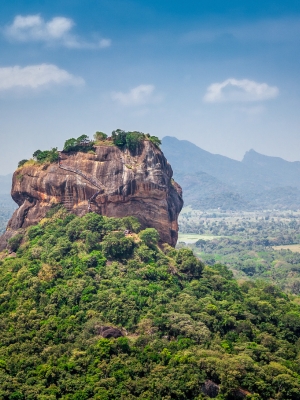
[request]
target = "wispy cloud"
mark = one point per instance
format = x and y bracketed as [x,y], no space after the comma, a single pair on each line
[57,31]
[36,77]
[140,95]
[278,30]
[232,90]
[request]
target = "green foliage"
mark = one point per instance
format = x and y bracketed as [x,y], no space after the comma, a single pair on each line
[149,236]
[46,155]
[119,137]
[132,140]
[14,242]
[53,210]
[21,163]
[254,245]
[117,245]
[131,223]
[82,143]
[155,140]
[60,289]
[101,136]
[188,263]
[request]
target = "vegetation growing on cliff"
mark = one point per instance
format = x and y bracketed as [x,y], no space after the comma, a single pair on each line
[132,140]
[183,323]
[41,157]
[82,143]
[120,138]
[100,136]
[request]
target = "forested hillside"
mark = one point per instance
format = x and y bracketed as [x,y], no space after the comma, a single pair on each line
[253,245]
[89,311]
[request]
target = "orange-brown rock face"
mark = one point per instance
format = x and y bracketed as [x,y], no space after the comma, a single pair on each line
[111,182]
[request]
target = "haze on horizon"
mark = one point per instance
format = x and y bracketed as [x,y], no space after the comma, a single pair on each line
[221,75]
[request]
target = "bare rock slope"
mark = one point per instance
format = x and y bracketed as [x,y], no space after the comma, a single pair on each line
[111,182]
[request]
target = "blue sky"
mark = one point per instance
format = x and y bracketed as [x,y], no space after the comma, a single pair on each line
[224,75]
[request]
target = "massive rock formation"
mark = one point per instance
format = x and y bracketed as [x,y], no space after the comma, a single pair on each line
[110,181]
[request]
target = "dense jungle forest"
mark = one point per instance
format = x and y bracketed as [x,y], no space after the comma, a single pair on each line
[178,327]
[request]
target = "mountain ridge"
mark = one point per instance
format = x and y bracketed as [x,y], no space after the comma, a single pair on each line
[249,181]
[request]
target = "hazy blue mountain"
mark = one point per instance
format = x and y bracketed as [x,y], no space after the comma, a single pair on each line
[7,205]
[214,181]
[204,191]
[186,157]
[283,172]
[5,183]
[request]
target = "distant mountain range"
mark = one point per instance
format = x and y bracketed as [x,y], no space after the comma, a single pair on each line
[7,205]
[211,181]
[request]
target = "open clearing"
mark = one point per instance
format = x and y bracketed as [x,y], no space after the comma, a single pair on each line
[293,247]
[193,237]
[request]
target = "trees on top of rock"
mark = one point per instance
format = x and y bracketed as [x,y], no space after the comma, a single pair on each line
[120,138]
[132,140]
[82,143]
[100,136]
[46,155]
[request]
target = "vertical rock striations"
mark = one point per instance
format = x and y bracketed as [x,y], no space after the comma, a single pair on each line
[109,181]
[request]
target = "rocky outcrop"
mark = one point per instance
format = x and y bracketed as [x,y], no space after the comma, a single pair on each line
[210,389]
[109,181]
[108,332]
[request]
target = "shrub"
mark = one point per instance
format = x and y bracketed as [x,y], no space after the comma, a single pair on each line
[22,162]
[155,140]
[101,136]
[188,264]
[53,210]
[119,137]
[149,236]
[131,223]
[46,155]
[145,253]
[133,140]
[82,143]
[14,242]
[183,324]
[92,240]
[35,231]
[116,245]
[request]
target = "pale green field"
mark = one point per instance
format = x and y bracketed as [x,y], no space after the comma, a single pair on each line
[293,247]
[193,237]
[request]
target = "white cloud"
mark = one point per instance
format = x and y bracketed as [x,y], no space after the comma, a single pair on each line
[239,90]
[140,95]
[36,76]
[33,28]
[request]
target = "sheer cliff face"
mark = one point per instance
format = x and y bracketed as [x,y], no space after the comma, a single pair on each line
[111,182]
